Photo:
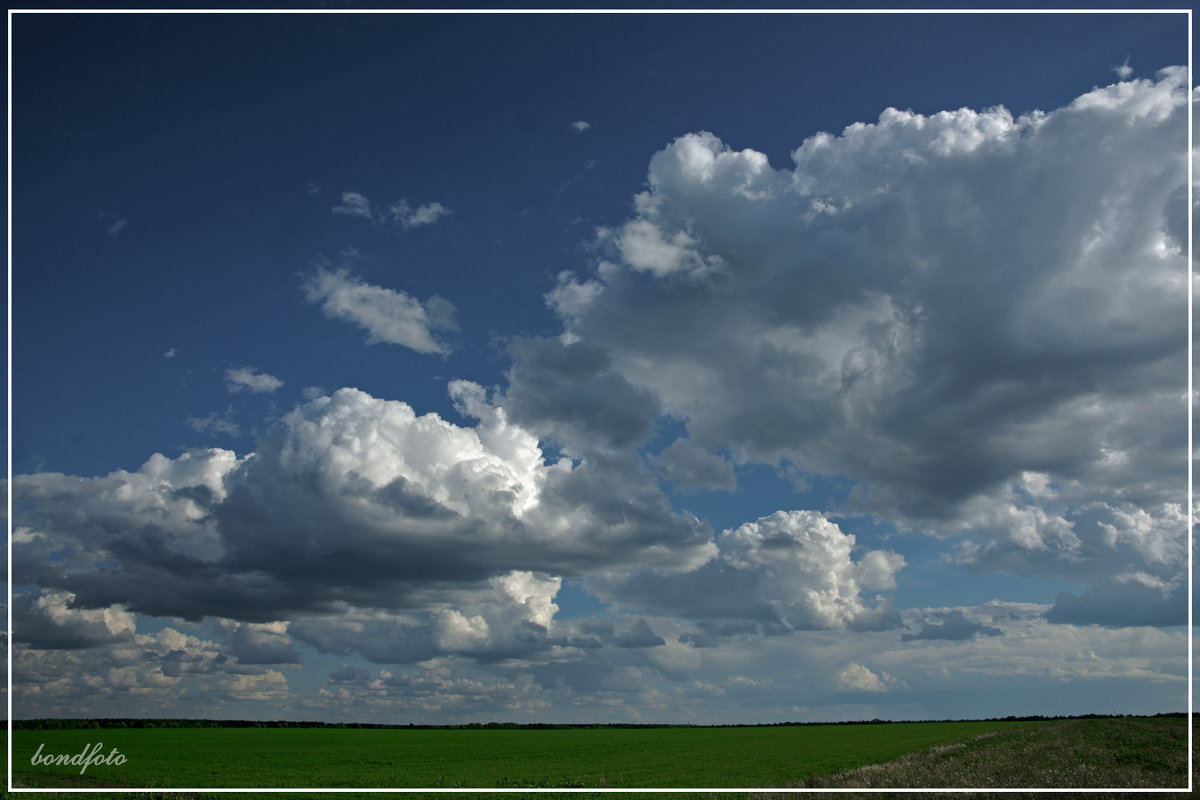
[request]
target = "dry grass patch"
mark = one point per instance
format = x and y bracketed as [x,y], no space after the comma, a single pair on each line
[1079,753]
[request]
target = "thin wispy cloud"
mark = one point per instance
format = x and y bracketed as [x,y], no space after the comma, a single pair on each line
[252,380]
[217,423]
[387,315]
[400,214]
[113,224]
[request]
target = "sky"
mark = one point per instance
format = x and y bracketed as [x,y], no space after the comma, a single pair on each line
[599,368]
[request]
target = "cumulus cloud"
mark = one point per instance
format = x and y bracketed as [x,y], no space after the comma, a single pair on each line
[574,393]
[251,380]
[262,643]
[349,500]
[400,214]
[387,315]
[913,305]
[932,306]
[167,672]
[49,622]
[580,126]
[191,672]
[791,570]
[1134,558]
[857,678]
[691,466]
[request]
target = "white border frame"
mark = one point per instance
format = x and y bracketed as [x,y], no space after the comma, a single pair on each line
[625,11]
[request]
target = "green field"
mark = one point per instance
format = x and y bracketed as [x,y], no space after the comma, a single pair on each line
[1103,753]
[581,757]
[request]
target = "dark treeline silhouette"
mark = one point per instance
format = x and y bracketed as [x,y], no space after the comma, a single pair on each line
[132,722]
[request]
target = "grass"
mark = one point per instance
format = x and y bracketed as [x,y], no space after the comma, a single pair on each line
[573,758]
[1122,753]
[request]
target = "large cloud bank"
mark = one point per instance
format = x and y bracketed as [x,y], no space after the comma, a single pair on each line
[980,319]
[349,499]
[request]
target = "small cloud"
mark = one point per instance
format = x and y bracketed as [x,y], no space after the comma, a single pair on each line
[387,315]
[354,205]
[857,678]
[581,126]
[215,423]
[311,188]
[170,353]
[250,379]
[406,216]
[113,223]
[1124,70]
[400,214]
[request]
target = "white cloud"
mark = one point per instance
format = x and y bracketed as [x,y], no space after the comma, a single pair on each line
[387,315]
[857,678]
[580,126]
[158,516]
[166,672]
[791,570]
[1124,71]
[1134,558]
[170,353]
[645,247]
[354,205]
[931,306]
[399,214]
[350,499]
[590,668]
[48,621]
[913,306]
[250,379]
[406,216]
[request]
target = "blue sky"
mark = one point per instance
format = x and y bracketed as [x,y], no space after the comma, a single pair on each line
[601,367]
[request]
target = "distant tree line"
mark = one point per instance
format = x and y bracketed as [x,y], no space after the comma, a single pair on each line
[136,722]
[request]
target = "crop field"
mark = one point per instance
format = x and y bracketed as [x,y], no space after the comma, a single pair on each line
[577,757]
[1117,753]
